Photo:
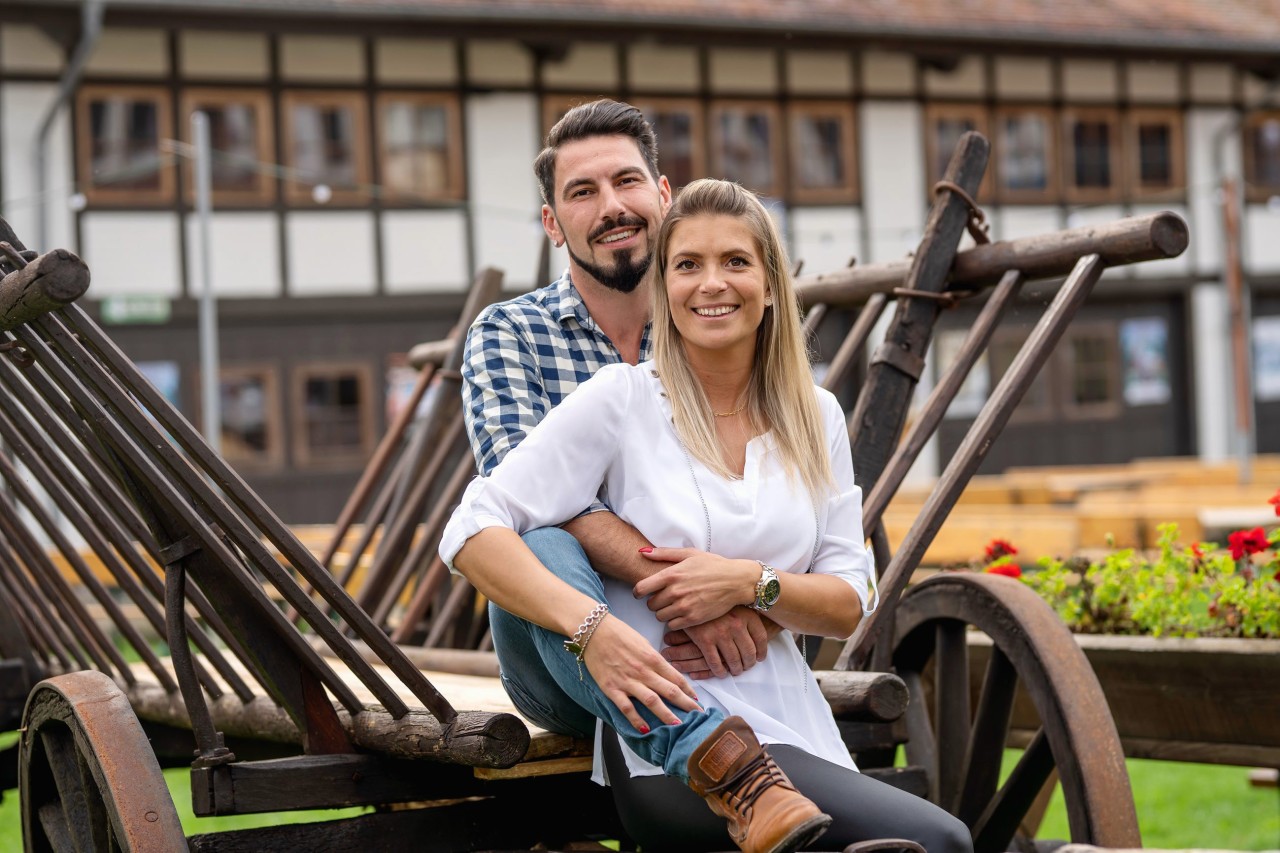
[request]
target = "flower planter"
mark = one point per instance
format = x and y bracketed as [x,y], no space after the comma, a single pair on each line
[1214,701]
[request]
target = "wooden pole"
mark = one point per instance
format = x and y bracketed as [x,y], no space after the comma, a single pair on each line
[1237,308]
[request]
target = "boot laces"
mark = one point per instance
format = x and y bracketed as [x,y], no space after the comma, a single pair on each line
[745,786]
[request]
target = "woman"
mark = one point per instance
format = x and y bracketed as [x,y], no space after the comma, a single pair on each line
[722,448]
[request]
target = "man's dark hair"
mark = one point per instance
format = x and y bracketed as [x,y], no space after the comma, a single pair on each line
[598,118]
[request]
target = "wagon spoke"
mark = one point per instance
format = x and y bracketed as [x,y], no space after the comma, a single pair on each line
[951,711]
[921,750]
[64,767]
[55,829]
[1002,816]
[986,744]
[99,823]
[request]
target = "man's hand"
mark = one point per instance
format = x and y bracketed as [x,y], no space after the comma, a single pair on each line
[696,587]
[729,645]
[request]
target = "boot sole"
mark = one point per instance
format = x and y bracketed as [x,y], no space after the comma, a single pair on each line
[803,835]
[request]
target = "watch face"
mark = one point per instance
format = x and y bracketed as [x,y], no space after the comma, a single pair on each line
[772,589]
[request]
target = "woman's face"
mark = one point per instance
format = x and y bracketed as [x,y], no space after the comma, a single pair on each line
[715,284]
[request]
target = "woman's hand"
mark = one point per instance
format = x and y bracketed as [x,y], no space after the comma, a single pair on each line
[697,587]
[628,670]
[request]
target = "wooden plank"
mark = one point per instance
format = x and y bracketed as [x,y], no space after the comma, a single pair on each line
[533,769]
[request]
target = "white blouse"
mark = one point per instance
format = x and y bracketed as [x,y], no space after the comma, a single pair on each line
[616,431]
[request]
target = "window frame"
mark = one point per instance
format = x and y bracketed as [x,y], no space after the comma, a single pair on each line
[264,143]
[1051,192]
[697,130]
[980,115]
[1107,330]
[94,194]
[1134,189]
[298,195]
[456,189]
[1253,191]
[303,455]
[273,458]
[1024,412]
[842,111]
[1072,193]
[778,162]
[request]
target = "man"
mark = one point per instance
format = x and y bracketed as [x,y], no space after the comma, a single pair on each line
[603,201]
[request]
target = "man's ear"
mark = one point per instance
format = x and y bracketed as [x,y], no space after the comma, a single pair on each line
[664,192]
[551,226]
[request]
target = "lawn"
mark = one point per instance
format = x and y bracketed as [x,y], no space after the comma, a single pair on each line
[1179,806]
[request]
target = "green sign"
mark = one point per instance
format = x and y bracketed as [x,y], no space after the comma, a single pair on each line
[138,308]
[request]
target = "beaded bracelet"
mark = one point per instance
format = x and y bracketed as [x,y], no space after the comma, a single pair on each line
[577,644]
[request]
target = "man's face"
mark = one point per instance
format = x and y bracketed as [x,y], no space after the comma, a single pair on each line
[606,209]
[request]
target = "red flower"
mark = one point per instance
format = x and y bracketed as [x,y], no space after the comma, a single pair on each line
[1197,551]
[1247,542]
[998,548]
[1274,500]
[1009,570]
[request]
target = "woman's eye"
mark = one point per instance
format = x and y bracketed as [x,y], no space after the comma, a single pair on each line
[684,264]
[738,262]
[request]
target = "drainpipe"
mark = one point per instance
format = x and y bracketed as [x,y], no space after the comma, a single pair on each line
[90,29]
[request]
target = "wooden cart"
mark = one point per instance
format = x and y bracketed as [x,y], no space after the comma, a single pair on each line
[298,698]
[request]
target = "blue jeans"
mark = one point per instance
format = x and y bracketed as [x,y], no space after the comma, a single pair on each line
[544,681]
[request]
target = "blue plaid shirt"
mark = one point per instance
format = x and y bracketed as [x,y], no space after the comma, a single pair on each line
[523,357]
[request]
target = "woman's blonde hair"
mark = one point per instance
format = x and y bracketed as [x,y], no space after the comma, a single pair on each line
[780,394]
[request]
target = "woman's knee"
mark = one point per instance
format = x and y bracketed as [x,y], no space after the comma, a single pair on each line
[946,833]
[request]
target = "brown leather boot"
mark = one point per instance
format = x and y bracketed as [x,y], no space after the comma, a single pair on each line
[740,782]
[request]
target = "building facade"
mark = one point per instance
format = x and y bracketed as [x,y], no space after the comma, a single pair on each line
[370,156]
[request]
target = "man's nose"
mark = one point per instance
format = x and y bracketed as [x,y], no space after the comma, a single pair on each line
[610,204]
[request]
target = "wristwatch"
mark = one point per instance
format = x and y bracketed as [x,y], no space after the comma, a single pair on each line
[767,588]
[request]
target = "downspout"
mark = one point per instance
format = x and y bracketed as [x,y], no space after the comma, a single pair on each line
[90,29]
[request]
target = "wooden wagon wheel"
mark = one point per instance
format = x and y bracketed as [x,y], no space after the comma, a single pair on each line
[88,778]
[1031,647]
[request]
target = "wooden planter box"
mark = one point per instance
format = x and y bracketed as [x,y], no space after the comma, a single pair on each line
[1215,701]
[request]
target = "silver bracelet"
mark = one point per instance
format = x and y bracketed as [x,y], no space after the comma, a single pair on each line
[577,644]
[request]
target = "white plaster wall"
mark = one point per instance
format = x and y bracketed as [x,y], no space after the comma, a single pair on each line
[223,55]
[246,255]
[22,107]
[893,187]
[1173,267]
[825,238]
[322,58]
[499,63]
[1202,126]
[416,61]
[888,73]
[1092,80]
[655,67]
[425,250]
[130,52]
[1153,82]
[330,252]
[1023,77]
[593,66]
[27,48]
[812,72]
[1211,83]
[1260,235]
[1029,220]
[132,253]
[501,145]
[743,71]
[1212,366]
[967,80]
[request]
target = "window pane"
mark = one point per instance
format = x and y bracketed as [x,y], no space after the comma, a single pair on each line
[332,408]
[1264,147]
[416,145]
[1001,354]
[1091,371]
[746,148]
[324,144]
[674,130]
[1091,144]
[1155,154]
[1024,152]
[818,147]
[233,133]
[125,138]
[946,136]
[245,428]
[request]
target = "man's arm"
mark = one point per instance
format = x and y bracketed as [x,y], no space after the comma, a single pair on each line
[502,394]
[730,644]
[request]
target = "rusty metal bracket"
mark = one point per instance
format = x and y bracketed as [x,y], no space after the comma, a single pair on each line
[947,299]
[20,354]
[183,548]
[977,224]
[905,362]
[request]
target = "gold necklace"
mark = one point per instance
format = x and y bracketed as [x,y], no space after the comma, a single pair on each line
[729,414]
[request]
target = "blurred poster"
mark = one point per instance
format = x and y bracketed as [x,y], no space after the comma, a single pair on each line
[165,376]
[1266,358]
[1144,351]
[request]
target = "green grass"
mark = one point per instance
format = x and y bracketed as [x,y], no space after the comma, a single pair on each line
[1179,806]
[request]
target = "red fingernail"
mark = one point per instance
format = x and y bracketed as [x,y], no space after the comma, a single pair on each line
[644,730]
[646,550]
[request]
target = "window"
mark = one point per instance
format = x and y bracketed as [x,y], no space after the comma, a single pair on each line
[332,414]
[1091,155]
[677,124]
[744,145]
[1091,372]
[1262,156]
[249,397]
[1025,161]
[821,147]
[1155,153]
[240,135]
[325,145]
[421,147]
[120,160]
[945,124]
[1005,345]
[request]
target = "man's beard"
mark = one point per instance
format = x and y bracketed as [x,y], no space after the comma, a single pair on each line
[626,273]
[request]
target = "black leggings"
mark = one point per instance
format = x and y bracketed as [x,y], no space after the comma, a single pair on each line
[662,813]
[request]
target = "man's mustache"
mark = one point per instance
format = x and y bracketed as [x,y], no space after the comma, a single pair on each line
[623,221]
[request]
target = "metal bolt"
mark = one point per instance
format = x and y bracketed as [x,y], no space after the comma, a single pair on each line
[151,817]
